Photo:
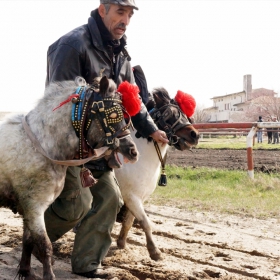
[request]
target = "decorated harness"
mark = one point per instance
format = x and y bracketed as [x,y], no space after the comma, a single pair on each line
[161,117]
[96,109]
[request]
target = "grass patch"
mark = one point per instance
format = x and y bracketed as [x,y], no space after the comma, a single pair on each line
[232,192]
[231,142]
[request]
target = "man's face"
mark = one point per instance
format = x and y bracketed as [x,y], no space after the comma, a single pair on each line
[117,19]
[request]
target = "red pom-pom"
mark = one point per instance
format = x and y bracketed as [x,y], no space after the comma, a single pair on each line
[130,97]
[186,102]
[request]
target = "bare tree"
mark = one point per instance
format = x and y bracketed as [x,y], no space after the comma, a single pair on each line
[265,106]
[241,116]
[201,115]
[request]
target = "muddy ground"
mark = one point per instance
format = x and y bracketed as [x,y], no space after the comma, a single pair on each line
[196,245]
[264,160]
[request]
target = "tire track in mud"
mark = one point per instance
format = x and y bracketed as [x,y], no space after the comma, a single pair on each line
[209,260]
[226,257]
[192,249]
[205,224]
[217,259]
[214,245]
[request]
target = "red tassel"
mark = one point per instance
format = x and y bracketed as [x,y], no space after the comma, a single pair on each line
[186,103]
[130,97]
[66,101]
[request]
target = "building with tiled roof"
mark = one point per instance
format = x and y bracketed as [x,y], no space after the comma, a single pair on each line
[226,106]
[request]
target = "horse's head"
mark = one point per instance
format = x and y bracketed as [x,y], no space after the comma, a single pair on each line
[169,116]
[105,124]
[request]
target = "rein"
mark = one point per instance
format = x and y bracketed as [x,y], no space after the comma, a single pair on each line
[170,130]
[98,153]
[163,179]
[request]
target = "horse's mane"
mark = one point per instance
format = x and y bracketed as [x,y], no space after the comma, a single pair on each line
[162,93]
[57,88]
[53,89]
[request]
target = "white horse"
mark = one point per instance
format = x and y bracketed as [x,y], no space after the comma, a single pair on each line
[36,149]
[138,181]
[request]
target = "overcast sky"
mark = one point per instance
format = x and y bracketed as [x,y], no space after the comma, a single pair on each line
[200,47]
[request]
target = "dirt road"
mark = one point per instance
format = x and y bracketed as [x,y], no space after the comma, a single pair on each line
[194,245]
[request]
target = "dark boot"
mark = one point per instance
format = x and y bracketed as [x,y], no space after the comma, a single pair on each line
[95,274]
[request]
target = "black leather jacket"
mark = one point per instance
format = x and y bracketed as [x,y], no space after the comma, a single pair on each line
[81,53]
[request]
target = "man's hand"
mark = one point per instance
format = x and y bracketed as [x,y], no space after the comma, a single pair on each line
[160,136]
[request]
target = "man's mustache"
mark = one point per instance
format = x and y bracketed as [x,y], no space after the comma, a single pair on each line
[122,26]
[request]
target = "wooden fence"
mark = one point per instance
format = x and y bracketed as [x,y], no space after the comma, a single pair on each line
[234,128]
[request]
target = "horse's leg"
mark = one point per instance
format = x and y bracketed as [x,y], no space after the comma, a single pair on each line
[135,206]
[126,226]
[24,266]
[145,223]
[38,236]
[45,249]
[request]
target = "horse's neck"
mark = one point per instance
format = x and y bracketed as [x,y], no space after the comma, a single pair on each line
[148,151]
[54,129]
[140,179]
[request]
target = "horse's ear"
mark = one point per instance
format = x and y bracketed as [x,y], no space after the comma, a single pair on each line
[159,99]
[103,85]
[156,98]
[80,81]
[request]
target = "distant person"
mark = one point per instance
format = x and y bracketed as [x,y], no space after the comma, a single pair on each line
[269,133]
[259,132]
[275,134]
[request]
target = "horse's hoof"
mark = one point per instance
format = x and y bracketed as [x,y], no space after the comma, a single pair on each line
[156,255]
[121,244]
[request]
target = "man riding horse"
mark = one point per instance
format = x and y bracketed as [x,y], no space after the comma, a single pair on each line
[84,52]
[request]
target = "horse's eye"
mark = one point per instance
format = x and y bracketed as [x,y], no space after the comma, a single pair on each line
[113,116]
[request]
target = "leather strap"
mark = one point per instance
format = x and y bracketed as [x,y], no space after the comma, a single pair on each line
[163,178]
[97,153]
[162,159]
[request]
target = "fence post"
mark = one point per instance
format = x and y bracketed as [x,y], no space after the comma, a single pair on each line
[250,161]
[250,137]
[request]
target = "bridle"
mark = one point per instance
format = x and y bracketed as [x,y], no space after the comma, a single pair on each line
[89,106]
[162,115]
